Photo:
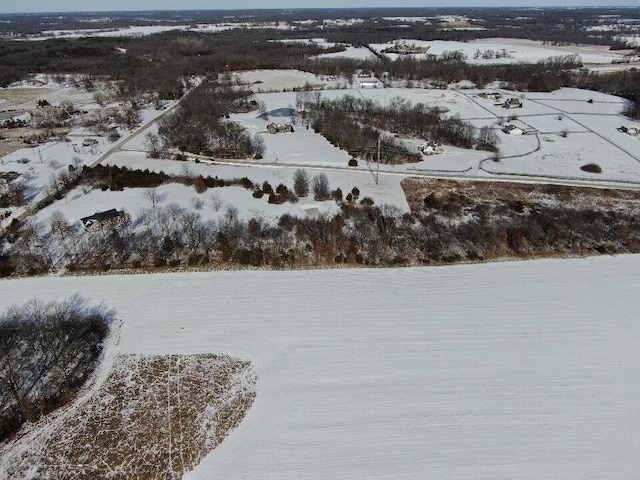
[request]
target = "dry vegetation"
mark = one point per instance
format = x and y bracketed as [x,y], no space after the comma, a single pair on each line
[154,417]
[473,194]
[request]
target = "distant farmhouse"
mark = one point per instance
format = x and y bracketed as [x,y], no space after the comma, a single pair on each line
[495,96]
[279,128]
[365,80]
[430,148]
[99,219]
[512,130]
[89,142]
[512,102]
[629,130]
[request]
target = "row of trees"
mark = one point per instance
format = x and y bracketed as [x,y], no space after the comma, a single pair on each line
[447,229]
[48,351]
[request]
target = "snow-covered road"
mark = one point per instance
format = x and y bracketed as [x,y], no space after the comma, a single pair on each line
[522,370]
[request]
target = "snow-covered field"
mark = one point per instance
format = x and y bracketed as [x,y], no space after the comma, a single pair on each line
[518,50]
[143,30]
[521,370]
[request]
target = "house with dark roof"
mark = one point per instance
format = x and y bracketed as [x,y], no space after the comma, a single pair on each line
[102,218]
[512,102]
[512,130]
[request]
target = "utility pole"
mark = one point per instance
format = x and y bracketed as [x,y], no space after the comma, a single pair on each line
[378,165]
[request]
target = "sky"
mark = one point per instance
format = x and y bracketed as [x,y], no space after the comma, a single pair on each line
[31,6]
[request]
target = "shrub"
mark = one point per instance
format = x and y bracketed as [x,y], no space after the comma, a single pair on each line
[200,185]
[353,162]
[246,183]
[257,193]
[276,199]
[591,168]
[266,188]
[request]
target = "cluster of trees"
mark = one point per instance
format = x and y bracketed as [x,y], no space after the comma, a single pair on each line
[152,64]
[48,351]
[13,194]
[545,75]
[355,124]
[198,124]
[115,178]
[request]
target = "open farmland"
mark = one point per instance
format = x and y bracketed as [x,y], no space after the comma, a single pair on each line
[520,369]
[227,186]
[514,50]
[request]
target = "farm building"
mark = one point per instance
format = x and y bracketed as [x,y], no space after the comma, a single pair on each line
[430,148]
[512,130]
[89,142]
[369,82]
[490,96]
[103,218]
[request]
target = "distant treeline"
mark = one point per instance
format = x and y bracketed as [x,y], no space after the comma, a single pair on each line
[159,63]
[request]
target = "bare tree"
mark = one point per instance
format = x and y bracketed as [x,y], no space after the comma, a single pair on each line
[301,183]
[488,139]
[321,190]
[154,146]
[152,195]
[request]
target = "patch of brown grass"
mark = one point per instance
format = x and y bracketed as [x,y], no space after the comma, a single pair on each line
[498,193]
[155,417]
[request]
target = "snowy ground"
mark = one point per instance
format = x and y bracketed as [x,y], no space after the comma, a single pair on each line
[589,119]
[143,30]
[521,370]
[518,50]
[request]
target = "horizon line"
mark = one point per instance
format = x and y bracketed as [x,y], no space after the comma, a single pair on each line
[262,9]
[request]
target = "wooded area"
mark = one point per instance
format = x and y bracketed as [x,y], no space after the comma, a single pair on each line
[48,352]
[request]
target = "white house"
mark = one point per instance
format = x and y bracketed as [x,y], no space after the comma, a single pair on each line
[372,83]
[512,130]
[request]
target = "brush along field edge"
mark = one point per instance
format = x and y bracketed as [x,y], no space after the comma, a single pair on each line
[153,417]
